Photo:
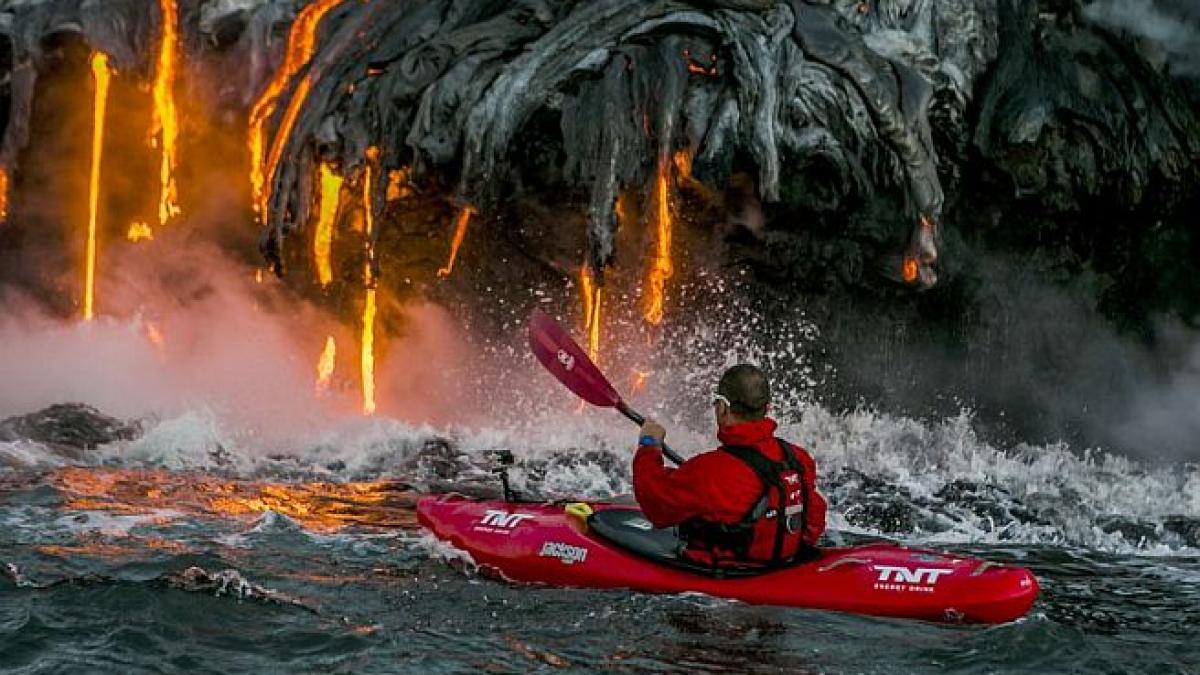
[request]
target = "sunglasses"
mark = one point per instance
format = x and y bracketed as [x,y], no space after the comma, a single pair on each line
[718,398]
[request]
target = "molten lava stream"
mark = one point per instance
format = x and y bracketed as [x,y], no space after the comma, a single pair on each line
[325,366]
[331,194]
[102,76]
[921,254]
[165,130]
[300,47]
[661,267]
[460,233]
[3,194]
[367,355]
[592,298]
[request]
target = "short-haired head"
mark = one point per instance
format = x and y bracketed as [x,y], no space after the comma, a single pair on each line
[747,390]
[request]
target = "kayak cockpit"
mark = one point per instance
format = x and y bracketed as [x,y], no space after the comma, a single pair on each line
[628,529]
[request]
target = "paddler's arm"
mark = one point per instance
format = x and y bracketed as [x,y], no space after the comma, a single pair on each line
[667,496]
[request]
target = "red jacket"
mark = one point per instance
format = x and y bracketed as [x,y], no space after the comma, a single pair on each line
[716,486]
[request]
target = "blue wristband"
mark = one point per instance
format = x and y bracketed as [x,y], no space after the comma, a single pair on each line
[648,440]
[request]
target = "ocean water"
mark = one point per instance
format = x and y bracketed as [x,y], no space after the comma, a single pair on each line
[187,549]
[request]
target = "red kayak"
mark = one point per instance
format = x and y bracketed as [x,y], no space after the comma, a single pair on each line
[601,545]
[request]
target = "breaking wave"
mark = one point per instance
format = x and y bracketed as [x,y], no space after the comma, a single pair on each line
[921,482]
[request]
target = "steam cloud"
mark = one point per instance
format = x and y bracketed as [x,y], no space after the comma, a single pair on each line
[244,351]
[1172,24]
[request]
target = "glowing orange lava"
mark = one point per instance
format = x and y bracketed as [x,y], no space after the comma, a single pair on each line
[139,231]
[922,253]
[325,365]
[165,129]
[3,194]
[300,47]
[102,76]
[331,194]
[398,188]
[661,267]
[682,159]
[592,299]
[910,269]
[460,233]
[367,356]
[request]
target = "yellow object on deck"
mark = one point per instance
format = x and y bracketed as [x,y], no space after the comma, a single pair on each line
[580,510]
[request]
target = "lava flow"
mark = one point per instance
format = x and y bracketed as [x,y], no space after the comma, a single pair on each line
[3,194]
[918,261]
[367,355]
[165,130]
[591,292]
[139,231]
[325,365]
[102,75]
[331,191]
[300,48]
[460,233]
[661,267]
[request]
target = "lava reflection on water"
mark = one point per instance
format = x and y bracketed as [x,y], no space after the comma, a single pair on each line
[318,506]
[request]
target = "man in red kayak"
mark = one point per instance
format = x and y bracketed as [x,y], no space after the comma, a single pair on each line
[751,501]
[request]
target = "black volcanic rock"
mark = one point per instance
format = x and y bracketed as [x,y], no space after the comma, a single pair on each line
[1049,141]
[68,427]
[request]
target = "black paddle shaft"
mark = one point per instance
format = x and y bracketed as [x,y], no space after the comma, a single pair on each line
[638,419]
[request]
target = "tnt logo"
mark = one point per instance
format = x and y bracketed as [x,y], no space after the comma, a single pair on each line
[566,359]
[503,519]
[926,576]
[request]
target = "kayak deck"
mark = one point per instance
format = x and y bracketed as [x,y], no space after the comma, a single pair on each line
[542,543]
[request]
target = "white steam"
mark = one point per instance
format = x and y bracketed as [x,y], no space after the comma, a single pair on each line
[1178,36]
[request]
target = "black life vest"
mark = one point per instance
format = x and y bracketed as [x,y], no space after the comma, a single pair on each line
[772,530]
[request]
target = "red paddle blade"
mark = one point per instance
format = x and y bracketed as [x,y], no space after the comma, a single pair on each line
[568,362]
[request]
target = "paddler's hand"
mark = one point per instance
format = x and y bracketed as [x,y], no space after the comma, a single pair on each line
[652,429]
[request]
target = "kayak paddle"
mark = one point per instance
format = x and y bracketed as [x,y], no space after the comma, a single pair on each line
[570,364]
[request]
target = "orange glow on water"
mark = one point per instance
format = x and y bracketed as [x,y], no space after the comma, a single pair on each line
[102,77]
[300,48]
[460,233]
[661,267]
[318,506]
[331,194]
[325,365]
[165,128]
